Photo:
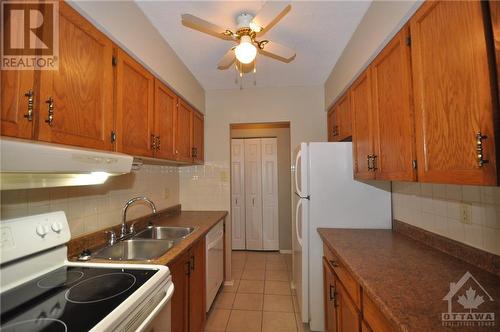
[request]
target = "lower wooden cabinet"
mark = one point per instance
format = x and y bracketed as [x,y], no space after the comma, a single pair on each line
[347,307]
[329,298]
[188,302]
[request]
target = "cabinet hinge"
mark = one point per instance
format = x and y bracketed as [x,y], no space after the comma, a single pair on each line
[114,61]
[113,136]
[408,41]
[414,164]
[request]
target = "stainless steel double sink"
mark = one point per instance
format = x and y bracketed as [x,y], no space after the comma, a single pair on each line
[147,244]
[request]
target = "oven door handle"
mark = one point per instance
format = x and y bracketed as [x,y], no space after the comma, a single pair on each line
[159,306]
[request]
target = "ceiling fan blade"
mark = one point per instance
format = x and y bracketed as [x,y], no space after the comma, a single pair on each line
[199,24]
[278,51]
[227,60]
[270,14]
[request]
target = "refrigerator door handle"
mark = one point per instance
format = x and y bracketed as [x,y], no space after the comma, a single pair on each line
[299,239]
[297,158]
[308,197]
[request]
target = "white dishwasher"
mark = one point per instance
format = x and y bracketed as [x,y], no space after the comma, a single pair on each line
[214,261]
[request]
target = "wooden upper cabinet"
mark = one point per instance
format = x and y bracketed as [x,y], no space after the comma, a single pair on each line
[453,93]
[332,119]
[393,111]
[164,121]
[18,112]
[183,129]
[495,20]
[362,133]
[134,107]
[198,137]
[339,120]
[79,95]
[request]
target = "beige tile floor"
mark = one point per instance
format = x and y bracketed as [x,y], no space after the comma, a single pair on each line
[260,299]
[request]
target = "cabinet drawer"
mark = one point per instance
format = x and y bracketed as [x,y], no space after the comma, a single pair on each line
[350,284]
[374,317]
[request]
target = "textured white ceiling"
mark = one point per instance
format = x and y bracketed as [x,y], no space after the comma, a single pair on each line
[317,30]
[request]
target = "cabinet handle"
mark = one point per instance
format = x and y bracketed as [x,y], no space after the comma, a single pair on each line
[335,130]
[192,263]
[188,266]
[29,115]
[158,141]
[153,142]
[236,202]
[194,152]
[374,162]
[369,162]
[253,201]
[479,149]
[332,293]
[333,263]
[50,116]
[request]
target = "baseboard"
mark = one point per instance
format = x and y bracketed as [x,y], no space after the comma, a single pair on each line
[229,283]
[289,252]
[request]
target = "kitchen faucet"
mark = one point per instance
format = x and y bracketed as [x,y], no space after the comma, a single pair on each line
[123,230]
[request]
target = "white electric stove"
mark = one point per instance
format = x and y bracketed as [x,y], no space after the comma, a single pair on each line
[41,291]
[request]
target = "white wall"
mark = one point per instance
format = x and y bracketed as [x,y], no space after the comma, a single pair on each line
[381,22]
[125,23]
[208,187]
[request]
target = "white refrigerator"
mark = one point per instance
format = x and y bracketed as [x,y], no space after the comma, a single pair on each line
[326,195]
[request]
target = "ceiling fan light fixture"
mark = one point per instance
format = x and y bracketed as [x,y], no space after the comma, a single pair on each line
[245,52]
[255,27]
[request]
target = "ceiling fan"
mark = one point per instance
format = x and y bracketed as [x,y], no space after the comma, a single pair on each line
[249,29]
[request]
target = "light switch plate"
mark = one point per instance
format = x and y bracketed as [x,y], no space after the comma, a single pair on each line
[465,213]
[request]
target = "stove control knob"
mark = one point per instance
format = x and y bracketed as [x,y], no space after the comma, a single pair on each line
[56,227]
[41,230]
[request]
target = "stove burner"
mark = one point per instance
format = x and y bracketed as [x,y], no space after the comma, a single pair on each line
[36,325]
[59,279]
[100,288]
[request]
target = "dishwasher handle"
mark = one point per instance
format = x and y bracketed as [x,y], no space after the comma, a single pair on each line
[214,243]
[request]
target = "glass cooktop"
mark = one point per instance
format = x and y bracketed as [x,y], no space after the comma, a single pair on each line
[68,298]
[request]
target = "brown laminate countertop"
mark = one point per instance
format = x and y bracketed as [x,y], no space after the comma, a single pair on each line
[408,279]
[202,221]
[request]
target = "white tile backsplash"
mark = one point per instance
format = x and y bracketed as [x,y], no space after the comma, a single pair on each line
[90,208]
[438,209]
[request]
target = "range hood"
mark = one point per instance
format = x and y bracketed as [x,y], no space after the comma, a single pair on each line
[29,164]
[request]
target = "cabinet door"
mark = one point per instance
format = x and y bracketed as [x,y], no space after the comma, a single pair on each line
[362,133]
[253,194]
[197,284]
[134,107]
[18,86]
[453,93]
[332,119]
[198,137]
[270,222]
[180,301]
[164,121]
[81,89]
[238,192]
[347,315]
[329,298]
[344,118]
[183,129]
[495,21]
[393,111]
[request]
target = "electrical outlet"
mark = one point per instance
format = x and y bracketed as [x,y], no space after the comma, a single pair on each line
[166,193]
[465,213]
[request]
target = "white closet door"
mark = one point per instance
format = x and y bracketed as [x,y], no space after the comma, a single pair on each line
[253,194]
[238,192]
[270,221]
